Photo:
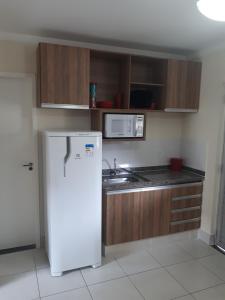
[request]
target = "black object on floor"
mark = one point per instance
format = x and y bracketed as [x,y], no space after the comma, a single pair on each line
[17,249]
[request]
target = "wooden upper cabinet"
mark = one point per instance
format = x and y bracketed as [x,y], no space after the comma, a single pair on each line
[183,85]
[63,76]
[65,73]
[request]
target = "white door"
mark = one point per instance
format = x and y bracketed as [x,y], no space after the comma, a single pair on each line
[18,188]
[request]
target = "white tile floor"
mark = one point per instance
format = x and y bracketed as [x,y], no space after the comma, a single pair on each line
[173,267]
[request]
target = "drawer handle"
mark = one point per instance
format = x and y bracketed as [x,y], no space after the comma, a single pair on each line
[186,209]
[187,197]
[185,221]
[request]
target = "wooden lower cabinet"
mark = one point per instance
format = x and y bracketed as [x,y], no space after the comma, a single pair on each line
[133,216]
[140,215]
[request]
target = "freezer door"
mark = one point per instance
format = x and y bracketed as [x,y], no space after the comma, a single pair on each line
[75,185]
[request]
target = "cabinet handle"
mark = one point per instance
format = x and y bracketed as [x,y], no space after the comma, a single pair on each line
[185,221]
[188,197]
[186,209]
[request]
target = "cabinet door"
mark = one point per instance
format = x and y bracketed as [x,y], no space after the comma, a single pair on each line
[134,216]
[183,85]
[154,213]
[193,85]
[63,75]
[121,218]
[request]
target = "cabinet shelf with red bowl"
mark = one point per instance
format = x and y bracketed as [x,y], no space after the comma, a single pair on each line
[110,72]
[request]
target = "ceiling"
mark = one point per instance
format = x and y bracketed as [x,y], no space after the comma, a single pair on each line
[174,25]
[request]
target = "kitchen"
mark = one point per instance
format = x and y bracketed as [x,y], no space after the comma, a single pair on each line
[196,137]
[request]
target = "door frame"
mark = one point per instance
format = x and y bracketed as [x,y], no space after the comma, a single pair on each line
[32,78]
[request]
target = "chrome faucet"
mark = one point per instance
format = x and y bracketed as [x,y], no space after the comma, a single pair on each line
[116,171]
[111,171]
[114,163]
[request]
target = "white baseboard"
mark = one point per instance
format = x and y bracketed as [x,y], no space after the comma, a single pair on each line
[209,239]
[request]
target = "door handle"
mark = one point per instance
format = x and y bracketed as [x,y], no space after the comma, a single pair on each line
[29,166]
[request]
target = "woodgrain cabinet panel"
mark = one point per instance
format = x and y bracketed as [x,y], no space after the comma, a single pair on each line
[154,213]
[134,216]
[185,203]
[63,73]
[187,190]
[121,221]
[140,215]
[175,228]
[186,213]
[183,85]
[186,208]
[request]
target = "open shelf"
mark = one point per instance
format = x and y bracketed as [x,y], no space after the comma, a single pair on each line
[110,72]
[148,70]
[147,83]
[146,96]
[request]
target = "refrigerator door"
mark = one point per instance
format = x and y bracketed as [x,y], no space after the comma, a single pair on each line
[75,201]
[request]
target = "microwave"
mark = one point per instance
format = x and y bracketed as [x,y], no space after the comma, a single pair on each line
[120,126]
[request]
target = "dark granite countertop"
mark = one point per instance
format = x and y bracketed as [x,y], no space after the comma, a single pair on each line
[152,177]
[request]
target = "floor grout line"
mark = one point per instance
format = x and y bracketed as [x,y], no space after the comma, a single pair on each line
[218,284]
[36,274]
[115,258]
[208,269]
[86,285]
[139,292]
[176,280]
[127,276]
[163,266]
[63,292]
[208,288]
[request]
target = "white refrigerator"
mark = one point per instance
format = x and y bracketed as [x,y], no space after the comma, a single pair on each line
[72,169]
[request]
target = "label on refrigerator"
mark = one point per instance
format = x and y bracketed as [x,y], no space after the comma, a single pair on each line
[89,150]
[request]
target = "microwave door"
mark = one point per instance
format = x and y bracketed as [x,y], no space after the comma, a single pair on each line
[114,126]
[118,127]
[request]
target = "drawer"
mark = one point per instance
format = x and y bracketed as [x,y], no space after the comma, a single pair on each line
[179,226]
[186,201]
[188,191]
[186,213]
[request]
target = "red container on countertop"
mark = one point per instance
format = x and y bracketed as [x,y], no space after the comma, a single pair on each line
[176,164]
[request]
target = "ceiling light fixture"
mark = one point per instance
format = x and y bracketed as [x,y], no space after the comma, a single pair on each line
[212,9]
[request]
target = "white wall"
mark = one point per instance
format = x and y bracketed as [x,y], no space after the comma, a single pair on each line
[163,140]
[204,130]
[193,152]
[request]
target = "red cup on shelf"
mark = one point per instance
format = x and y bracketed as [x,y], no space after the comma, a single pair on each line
[118,100]
[176,164]
[104,104]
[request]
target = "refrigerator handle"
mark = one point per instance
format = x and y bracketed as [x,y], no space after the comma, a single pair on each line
[68,153]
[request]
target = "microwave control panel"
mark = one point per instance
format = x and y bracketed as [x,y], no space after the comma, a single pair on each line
[140,126]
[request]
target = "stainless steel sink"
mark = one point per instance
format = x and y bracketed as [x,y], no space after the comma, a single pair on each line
[119,180]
